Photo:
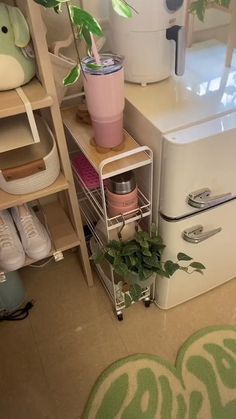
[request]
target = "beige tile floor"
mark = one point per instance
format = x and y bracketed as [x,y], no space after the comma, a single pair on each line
[49,362]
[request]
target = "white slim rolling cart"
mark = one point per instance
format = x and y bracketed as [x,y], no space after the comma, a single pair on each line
[93,204]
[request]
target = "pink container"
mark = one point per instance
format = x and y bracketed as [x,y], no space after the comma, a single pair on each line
[105,101]
[87,173]
[119,204]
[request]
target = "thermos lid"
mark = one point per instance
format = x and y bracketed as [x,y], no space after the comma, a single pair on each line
[122,184]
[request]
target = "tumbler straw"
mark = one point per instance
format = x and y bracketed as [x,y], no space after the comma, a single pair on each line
[95,51]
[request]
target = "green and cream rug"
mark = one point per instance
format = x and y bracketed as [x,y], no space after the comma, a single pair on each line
[201,385]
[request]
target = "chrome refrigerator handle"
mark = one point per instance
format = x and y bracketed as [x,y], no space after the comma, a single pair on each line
[196,234]
[202,198]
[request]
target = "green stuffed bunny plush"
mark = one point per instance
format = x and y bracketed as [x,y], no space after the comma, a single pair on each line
[17,63]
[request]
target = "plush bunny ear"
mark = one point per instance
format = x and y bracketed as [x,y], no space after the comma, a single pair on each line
[19,27]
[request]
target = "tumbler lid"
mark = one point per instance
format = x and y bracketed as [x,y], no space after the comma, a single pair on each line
[110,63]
[123,183]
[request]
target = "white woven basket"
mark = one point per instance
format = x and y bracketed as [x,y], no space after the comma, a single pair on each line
[33,167]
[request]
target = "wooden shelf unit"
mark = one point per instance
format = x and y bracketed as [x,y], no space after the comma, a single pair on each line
[8,200]
[11,103]
[83,135]
[42,94]
[62,233]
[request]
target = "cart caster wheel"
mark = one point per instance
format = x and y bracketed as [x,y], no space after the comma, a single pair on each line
[120,317]
[147,303]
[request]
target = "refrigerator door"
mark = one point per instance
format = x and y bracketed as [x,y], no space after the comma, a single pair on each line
[208,237]
[198,167]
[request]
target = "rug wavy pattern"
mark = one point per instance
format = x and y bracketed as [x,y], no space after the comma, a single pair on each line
[202,384]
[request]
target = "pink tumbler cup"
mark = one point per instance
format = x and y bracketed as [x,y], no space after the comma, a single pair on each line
[104,90]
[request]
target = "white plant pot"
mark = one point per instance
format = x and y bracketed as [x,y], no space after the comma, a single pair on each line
[134,279]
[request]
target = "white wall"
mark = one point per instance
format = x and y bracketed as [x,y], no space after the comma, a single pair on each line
[99,8]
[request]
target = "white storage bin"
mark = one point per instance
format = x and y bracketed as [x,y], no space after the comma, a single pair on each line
[33,167]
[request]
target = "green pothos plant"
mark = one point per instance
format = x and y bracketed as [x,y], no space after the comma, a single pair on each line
[83,26]
[199,7]
[136,260]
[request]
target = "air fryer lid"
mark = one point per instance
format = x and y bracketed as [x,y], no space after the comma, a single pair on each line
[123,183]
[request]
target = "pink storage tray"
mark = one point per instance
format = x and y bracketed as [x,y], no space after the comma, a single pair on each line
[86,171]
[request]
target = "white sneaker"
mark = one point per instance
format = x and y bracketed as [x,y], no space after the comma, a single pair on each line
[12,255]
[34,237]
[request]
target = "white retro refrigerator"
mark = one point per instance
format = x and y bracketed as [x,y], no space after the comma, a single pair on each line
[194,143]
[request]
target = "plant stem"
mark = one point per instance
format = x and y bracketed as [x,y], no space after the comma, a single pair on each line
[75,40]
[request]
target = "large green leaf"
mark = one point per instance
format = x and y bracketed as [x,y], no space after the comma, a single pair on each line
[73,76]
[146,252]
[130,249]
[134,260]
[122,8]
[83,19]
[152,261]
[171,267]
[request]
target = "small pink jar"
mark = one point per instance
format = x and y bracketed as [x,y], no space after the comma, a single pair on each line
[122,194]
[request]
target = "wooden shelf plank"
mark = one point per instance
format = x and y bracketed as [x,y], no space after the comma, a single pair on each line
[61,229]
[11,104]
[83,134]
[8,200]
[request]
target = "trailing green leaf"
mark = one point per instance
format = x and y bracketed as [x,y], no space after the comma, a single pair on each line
[197,265]
[72,77]
[171,267]
[94,66]
[122,8]
[85,20]
[183,256]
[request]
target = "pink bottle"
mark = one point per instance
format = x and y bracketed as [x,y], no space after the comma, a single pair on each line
[104,90]
[122,194]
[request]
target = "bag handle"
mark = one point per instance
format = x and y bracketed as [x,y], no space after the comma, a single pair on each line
[25,170]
